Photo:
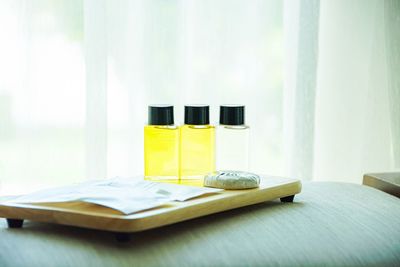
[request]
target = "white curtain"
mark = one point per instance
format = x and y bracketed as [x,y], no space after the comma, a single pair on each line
[358,92]
[319,79]
[42,94]
[342,88]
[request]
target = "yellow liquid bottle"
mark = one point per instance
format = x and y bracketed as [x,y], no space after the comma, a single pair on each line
[161,146]
[197,146]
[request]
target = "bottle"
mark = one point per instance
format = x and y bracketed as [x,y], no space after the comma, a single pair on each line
[161,145]
[232,139]
[197,142]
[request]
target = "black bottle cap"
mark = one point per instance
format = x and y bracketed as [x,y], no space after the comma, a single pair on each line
[231,115]
[197,115]
[161,115]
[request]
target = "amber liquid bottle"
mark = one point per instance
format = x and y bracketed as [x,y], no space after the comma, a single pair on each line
[197,142]
[161,145]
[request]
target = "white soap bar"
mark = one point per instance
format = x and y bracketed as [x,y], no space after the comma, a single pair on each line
[232,180]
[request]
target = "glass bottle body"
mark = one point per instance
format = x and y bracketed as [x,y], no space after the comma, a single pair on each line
[161,153]
[232,151]
[197,153]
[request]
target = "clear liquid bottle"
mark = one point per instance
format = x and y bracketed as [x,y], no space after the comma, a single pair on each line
[197,142]
[161,145]
[232,139]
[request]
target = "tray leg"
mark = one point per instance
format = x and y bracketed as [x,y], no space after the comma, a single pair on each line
[15,223]
[122,237]
[287,199]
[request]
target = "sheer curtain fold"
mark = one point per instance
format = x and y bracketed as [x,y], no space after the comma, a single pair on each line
[340,89]
[96,54]
[353,118]
[41,95]
[301,30]
[392,36]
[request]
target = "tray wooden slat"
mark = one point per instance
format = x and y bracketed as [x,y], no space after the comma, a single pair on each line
[98,217]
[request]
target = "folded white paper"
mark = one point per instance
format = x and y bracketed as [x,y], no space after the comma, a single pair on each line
[128,195]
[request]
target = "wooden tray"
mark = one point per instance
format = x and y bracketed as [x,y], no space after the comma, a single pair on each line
[99,217]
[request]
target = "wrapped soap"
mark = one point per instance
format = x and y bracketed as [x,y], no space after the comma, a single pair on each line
[232,180]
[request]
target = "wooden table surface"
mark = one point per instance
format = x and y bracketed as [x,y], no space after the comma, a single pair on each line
[388,182]
[328,224]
